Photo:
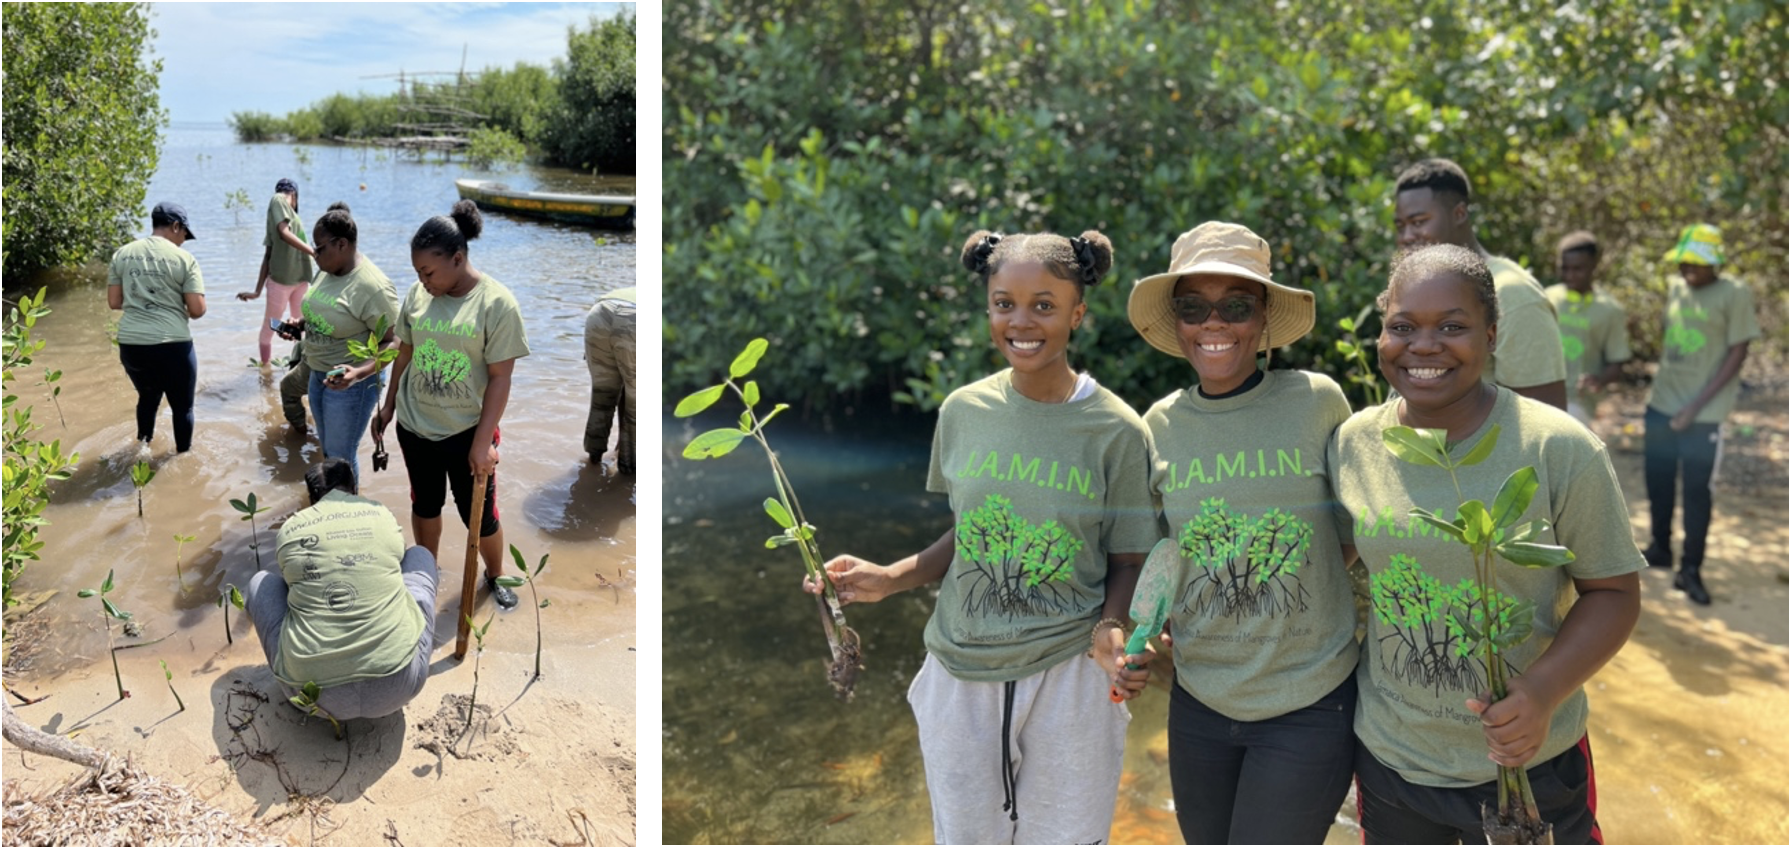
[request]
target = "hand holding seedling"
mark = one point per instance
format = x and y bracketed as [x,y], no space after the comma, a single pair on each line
[1516,726]
[856,580]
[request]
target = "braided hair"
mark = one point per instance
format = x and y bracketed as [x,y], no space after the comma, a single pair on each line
[1083,260]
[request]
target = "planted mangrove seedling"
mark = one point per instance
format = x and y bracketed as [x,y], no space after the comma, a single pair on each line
[229,596]
[478,635]
[141,474]
[111,611]
[249,510]
[1480,620]
[784,510]
[506,580]
[306,700]
[170,676]
[179,542]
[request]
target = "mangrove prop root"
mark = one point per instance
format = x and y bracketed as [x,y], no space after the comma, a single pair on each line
[1515,829]
[848,652]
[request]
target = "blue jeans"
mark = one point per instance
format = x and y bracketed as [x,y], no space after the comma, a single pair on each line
[342,415]
[1276,781]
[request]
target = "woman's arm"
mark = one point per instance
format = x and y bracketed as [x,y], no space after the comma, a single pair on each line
[195,305]
[260,277]
[115,296]
[861,581]
[291,239]
[483,457]
[1595,628]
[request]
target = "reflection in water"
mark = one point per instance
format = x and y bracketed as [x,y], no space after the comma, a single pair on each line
[552,499]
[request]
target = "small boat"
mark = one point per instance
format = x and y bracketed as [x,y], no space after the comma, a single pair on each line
[607,211]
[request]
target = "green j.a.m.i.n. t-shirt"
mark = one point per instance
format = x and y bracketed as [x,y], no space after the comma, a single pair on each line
[454,340]
[1263,615]
[338,309]
[1414,681]
[1042,494]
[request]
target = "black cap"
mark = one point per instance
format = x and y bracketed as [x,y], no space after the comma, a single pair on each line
[168,213]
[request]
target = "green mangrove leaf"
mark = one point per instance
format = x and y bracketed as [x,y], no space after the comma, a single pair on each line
[1531,555]
[714,444]
[1529,531]
[1482,448]
[516,556]
[751,394]
[746,420]
[113,610]
[236,598]
[1430,518]
[1408,444]
[106,587]
[777,541]
[509,581]
[775,410]
[86,593]
[1476,525]
[695,403]
[1514,496]
[748,358]
[778,513]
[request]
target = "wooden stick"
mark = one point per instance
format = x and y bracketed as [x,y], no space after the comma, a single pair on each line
[475,525]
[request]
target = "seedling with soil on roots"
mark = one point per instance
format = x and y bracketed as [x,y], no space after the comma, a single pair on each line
[1481,621]
[111,611]
[522,566]
[230,596]
[179,542]
[170,676]
[306,700]
[785,511]
[141,474]
[249,510]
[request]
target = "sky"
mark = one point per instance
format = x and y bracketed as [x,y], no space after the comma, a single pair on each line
[220,58]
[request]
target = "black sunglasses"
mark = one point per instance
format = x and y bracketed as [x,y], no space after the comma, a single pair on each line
[1194,310]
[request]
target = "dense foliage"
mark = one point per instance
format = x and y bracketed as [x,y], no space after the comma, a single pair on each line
[824,163]
[82,129]
[28,463]
[579,114]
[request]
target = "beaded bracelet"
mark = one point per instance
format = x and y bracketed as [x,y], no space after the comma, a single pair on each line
[1103,623]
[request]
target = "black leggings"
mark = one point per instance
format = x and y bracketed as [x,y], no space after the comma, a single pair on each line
[429,462]
[170,369]
[1275,781]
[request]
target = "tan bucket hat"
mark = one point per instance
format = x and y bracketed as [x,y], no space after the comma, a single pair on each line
[1220,248]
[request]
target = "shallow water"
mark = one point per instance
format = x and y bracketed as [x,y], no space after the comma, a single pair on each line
[1688,723]
[551,499]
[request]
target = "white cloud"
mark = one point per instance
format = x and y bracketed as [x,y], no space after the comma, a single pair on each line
[219,58]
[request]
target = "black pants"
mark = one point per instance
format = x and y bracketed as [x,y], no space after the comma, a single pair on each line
[1695,449]
[433,466]
[163,369]
[1394,810]
[1275,781]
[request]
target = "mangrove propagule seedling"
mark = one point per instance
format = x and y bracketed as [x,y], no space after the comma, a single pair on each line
[512,582]
[306,700]
[478,635]
[141,474]
[370,350]
[111,611]
[249,510]
[179,542]
[170,676]
[230,596]
[1482,621]
[784,509]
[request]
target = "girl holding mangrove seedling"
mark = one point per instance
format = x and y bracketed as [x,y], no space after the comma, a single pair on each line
[350,299]
[1260,745]
[1425,717]
[460,333]
[285,265]
[1047,477]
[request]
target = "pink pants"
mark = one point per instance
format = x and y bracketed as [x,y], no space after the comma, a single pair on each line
[284,302]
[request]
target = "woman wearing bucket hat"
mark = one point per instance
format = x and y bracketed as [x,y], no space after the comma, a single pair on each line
[1261,747]
[1430,739]
[1046,475]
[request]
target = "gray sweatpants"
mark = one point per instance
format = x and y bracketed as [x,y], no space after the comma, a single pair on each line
[366,699]
[609,352]
[1066,748]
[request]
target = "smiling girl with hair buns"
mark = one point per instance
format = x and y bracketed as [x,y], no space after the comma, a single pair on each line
[1047,474]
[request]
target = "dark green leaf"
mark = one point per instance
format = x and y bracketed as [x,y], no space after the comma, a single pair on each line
[1532,555]
[1514,496]
[1482,448]
[1452,529]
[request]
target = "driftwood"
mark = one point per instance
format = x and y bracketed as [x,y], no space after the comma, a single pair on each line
[35,741]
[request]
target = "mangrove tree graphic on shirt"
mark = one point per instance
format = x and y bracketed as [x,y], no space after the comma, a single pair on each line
[1682,340]
[443,371]
[314,321]
[1244,565]
[1433,626]
[1016,567]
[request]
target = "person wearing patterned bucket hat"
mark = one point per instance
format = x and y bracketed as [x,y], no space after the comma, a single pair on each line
[1261,713]
[1709,322]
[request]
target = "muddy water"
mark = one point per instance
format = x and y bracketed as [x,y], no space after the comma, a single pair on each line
[551,499]
[1688,723]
